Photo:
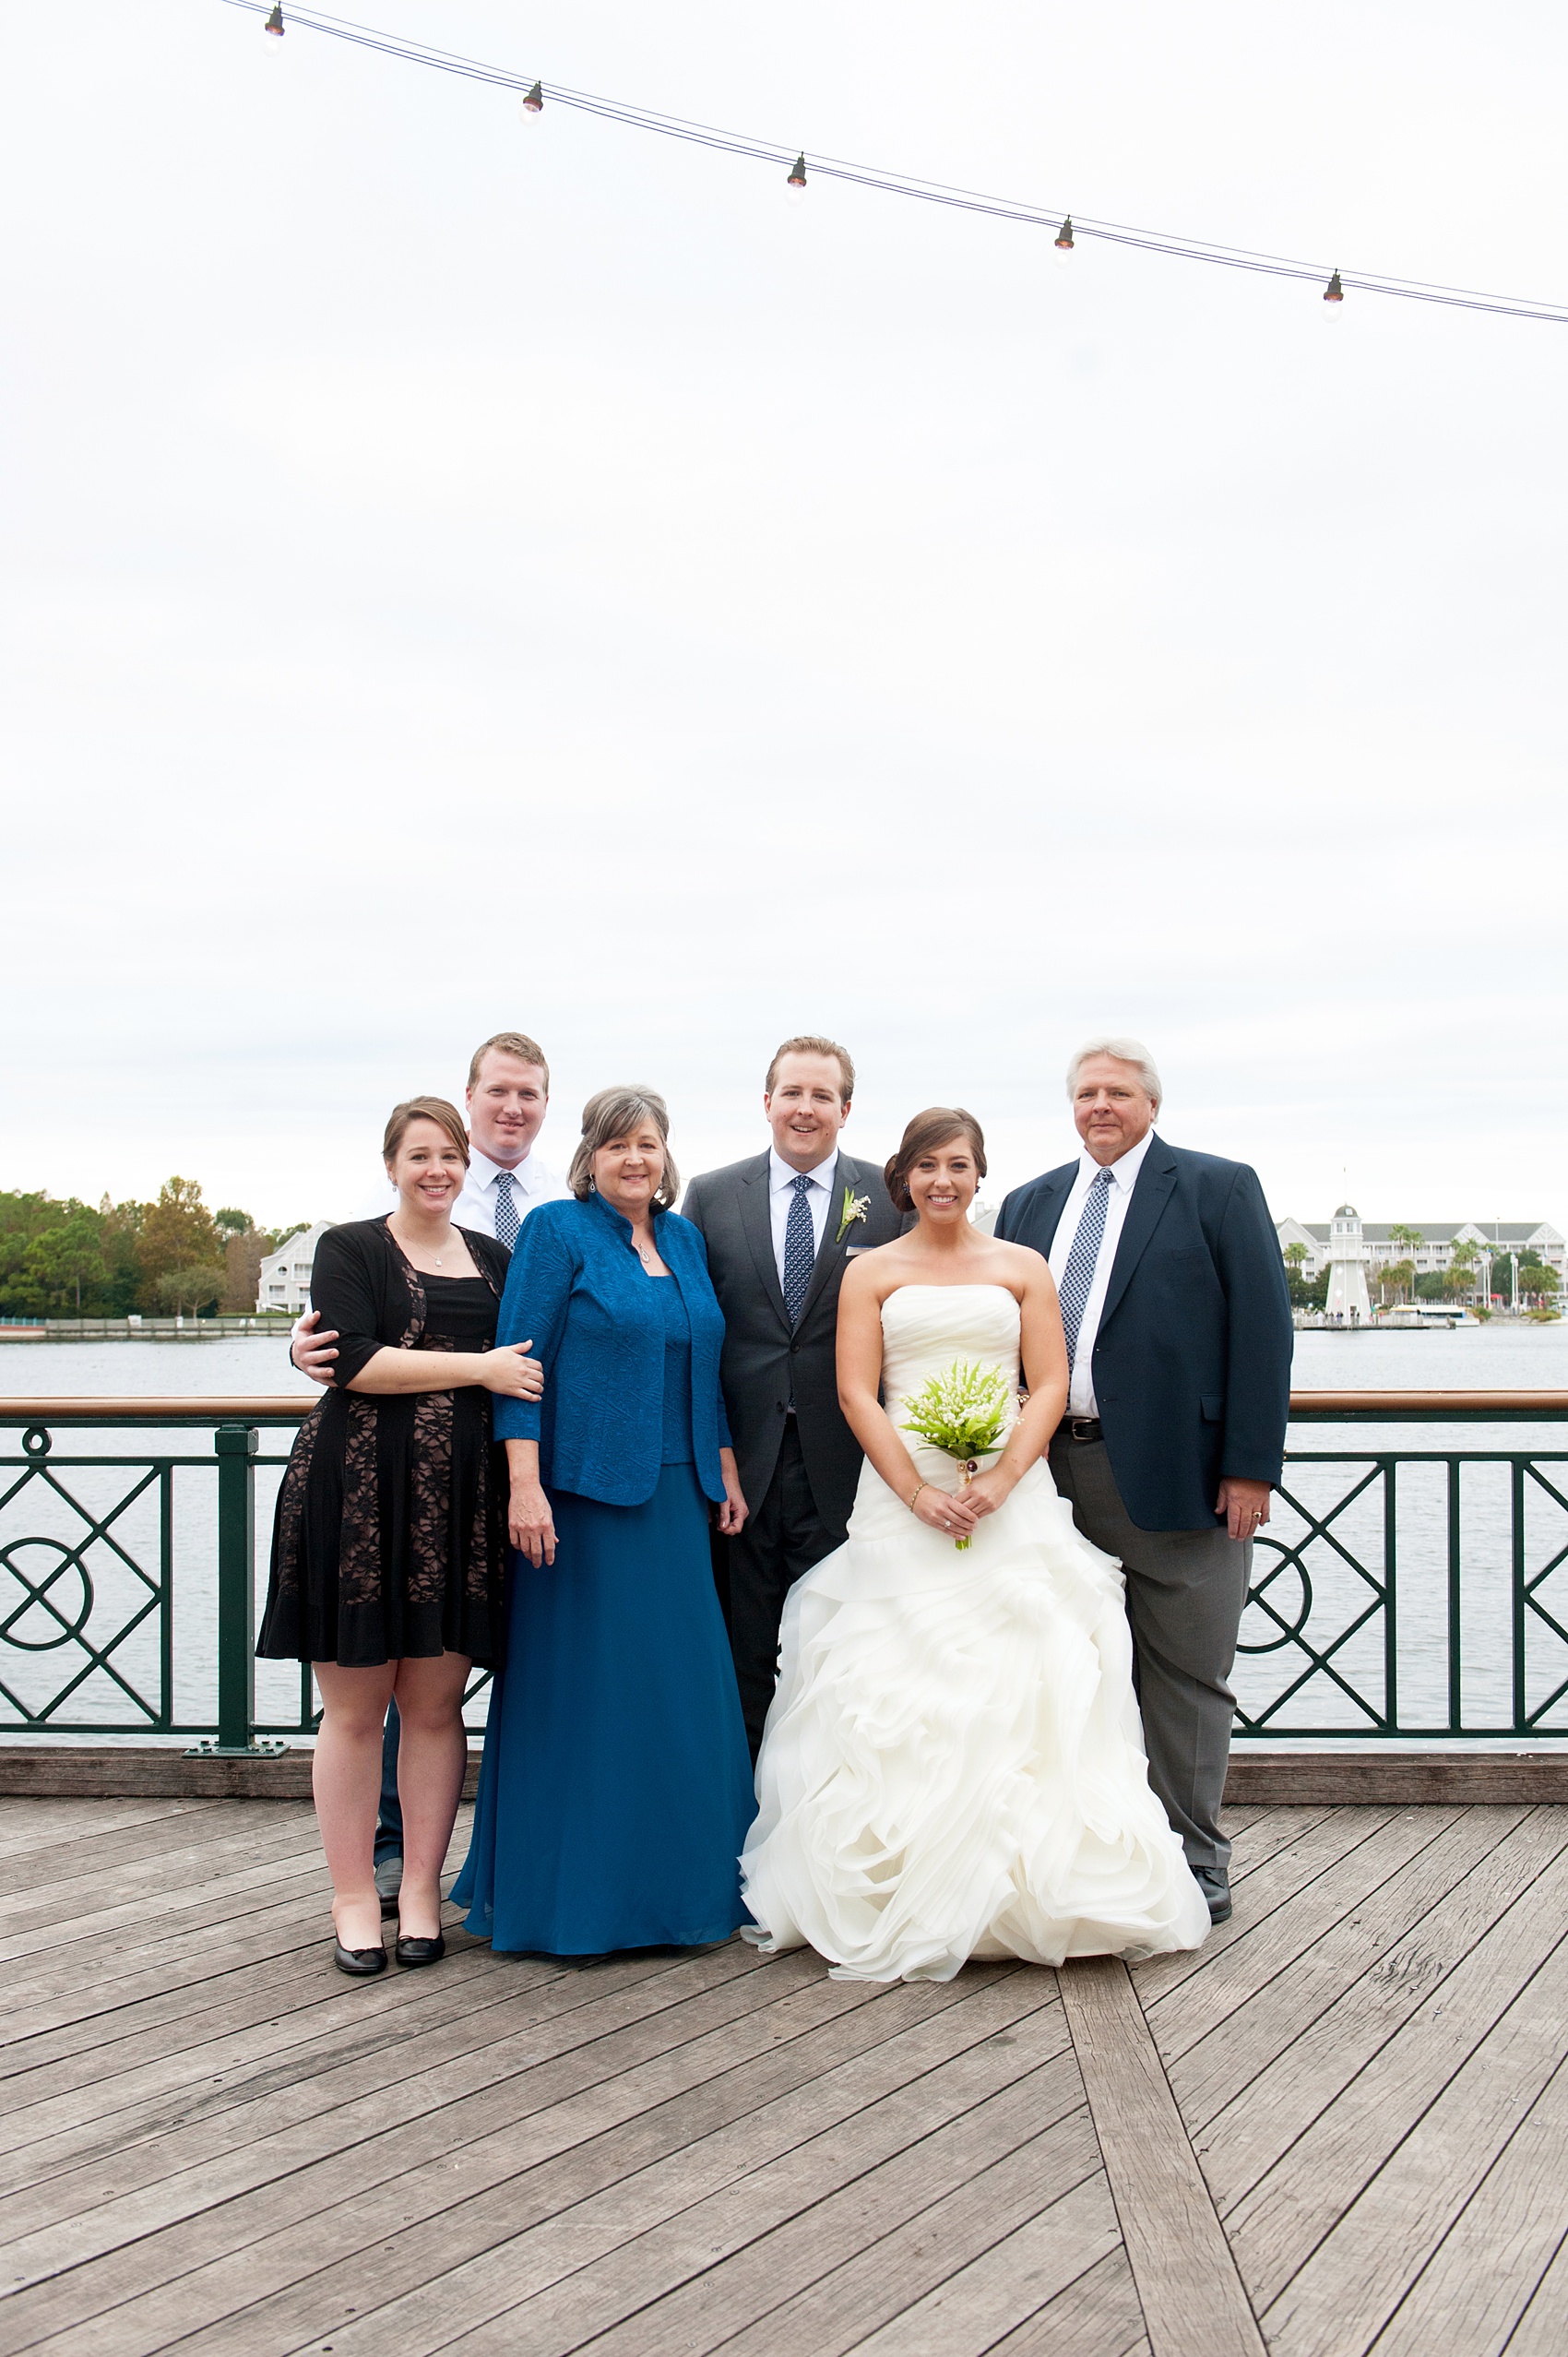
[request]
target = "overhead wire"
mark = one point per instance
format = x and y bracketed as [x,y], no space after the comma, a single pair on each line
[887,181]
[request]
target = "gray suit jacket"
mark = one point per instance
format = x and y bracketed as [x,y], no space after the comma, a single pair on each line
[761,1358]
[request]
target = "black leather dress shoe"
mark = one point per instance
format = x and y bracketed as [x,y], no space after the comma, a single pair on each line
[360,1961]
[1214,1883]
[413,1952]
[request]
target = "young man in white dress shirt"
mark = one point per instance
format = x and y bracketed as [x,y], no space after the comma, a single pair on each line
[507,1098]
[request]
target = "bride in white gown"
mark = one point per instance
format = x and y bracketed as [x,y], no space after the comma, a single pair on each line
[953,1765]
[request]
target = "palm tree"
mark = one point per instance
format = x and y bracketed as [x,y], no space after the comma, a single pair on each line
[1411,1239]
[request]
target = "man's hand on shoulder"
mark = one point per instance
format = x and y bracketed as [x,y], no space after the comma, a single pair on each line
[312,1351]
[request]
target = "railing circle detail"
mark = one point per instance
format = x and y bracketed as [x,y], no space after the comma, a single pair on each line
[1260,1586]
[38,1597]
[36,1440]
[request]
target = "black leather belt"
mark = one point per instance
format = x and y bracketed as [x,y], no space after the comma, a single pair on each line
[1079,1428]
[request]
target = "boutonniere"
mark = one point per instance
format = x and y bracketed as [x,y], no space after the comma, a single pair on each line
[855,1208]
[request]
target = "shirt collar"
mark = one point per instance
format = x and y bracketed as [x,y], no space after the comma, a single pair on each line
[484,1173]
[1125,1171]
[779,1174]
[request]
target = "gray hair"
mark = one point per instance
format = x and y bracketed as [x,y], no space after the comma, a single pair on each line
[1125,1052]
[611,1113]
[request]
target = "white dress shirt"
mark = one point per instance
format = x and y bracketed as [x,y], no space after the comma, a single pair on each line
[1081,1401]
[532,1184]
[780,1194]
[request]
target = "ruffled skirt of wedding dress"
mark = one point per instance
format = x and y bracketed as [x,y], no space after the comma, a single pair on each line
[954,1763]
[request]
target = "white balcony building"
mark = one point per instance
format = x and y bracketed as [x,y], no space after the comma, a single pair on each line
[1494,1240]
[284,1282]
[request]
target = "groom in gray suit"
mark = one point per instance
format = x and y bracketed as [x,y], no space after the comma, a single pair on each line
[780,1228]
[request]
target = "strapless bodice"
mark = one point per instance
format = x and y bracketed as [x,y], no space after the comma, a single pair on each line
[925,1327]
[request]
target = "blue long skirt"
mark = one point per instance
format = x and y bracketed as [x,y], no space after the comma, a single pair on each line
[616,1787]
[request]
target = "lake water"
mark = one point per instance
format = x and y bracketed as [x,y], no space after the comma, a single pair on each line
[1324,1595]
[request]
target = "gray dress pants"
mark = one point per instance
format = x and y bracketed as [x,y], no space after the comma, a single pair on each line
[1186,1590]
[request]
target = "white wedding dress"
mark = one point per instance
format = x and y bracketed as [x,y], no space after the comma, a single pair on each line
[953,1765]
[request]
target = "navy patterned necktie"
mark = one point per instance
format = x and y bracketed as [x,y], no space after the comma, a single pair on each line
[800,1250]
[507,1220]
[1077,1277]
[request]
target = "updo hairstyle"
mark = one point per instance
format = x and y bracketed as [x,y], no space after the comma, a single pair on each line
[435,1109]
[938,1125]
[611,1113]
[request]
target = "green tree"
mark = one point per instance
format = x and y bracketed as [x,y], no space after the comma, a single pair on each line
[1410,1240]
[193,1287]
[177,1232]
[67,1255]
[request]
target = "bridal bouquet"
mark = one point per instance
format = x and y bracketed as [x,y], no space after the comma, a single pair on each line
[961,1413]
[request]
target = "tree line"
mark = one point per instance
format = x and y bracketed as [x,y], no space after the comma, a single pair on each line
[1393,1281]
[65,1259]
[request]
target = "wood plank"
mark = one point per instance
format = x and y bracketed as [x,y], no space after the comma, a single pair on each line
[65,1888]
[1287,2213]
[1206,1999]
[1214,2070]
[1310,1849]
[1354,2280]
[964,2317]
[604,2261]
[1401,1779]
[1177,2250]
[1097,2316]
[234,2141]
[1257,2129]
[37,1823]
[84,1772]
[1471,2293]
[885,2280]
[1543,2331]
[280,2239]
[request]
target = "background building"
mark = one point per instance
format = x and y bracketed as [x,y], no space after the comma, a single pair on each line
[284,1282]
[1386,1241]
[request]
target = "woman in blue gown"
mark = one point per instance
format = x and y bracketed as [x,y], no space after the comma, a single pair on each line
[616,1788]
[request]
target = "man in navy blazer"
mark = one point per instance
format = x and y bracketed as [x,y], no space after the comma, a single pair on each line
[1179,1339]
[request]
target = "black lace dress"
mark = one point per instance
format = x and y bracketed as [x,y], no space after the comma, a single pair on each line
[390,1536]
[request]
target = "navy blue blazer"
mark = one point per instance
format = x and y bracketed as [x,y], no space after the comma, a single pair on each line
[576,1287]
[1191,1361]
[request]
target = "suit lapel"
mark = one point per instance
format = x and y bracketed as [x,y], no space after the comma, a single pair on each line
[1151,1192]
[830,1255]
[1053,1202]
[757,1222]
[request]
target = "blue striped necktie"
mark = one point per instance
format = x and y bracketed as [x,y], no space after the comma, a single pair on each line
[507,1220]
[1077,1277]
[800,1250]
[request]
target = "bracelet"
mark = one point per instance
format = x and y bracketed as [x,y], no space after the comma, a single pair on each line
[921,1485]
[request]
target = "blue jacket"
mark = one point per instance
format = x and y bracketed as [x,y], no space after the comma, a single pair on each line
[576,1287]
[1191,1361]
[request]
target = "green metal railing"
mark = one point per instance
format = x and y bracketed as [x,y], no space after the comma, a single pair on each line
[1396,1593]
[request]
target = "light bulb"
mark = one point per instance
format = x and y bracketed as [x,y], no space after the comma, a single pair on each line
[1064,238]
[533,102]
[796,184]
[1333,291]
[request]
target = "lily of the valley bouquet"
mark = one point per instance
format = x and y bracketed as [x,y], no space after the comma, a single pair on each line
[963,1413]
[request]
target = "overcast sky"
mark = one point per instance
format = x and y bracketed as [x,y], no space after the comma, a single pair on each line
[463,572]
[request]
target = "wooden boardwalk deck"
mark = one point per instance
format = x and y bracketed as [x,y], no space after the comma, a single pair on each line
[1342,2128]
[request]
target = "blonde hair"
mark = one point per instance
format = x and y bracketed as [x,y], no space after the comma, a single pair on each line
[435,1109]
[515,1043]
[811,1043]
[613,1112]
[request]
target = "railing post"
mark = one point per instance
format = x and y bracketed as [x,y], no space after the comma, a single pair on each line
[235,1446]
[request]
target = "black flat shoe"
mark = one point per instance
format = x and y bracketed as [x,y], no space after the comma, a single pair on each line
[361,1963]
[413,1952]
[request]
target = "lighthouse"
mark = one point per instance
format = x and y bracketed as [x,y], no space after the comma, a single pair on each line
[1348,1303]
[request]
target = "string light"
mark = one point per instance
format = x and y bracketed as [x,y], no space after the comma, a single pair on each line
[275,21]
[926,191]
[797,180]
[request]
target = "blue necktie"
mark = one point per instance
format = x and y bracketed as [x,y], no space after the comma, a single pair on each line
[507,1220]
[799,1251]
[1077,1277]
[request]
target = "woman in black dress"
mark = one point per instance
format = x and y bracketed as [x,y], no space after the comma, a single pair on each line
[389,1548]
